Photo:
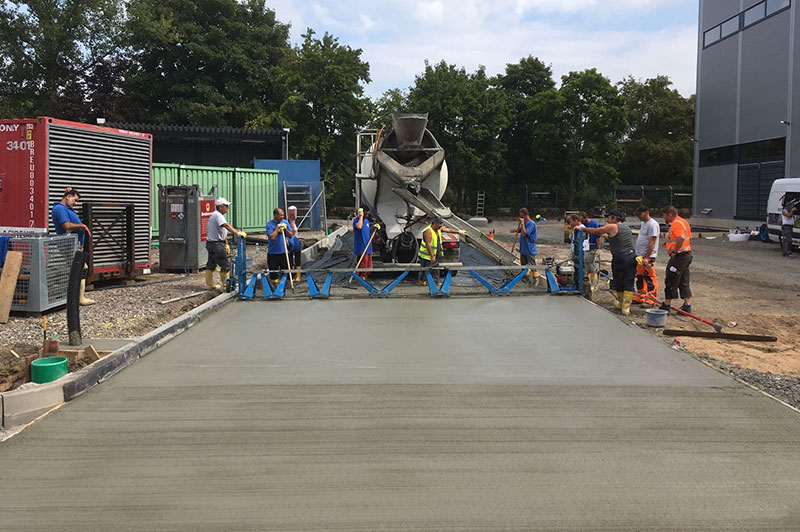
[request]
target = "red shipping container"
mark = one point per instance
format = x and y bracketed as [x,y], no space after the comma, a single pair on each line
[40,157]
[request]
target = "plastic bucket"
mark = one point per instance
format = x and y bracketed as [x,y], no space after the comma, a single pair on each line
[738,237]
[656,317]
[48,369]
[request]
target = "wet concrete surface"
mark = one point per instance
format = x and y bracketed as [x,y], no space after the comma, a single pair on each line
[466,414]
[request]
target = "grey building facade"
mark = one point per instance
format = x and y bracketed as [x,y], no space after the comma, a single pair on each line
[746,76]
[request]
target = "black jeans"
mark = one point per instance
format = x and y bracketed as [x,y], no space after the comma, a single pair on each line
[276,262]
[217,256]
[786,238]
[677,277]
[623,268]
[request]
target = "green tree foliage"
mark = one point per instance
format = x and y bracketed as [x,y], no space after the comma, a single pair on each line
[206,63]
[391,102]
[53,54]
[658,146]
[466,115]
[324,107]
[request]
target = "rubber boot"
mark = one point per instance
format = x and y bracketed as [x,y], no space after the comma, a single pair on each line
[297,275]
[223,279]
[536,279]
[210,280]
[618,301]
[627,299]
[83,300]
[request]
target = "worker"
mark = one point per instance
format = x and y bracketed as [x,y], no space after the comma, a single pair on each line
[527,231]
[65,219]
[217,245]
[362,239]
[430,246]
[646,254]
[679,247]
[279,233]
[623,257]
[591,260]
[788,213]
[295,245]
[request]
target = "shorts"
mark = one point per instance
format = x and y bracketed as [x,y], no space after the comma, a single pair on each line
[527,259]
[276,262]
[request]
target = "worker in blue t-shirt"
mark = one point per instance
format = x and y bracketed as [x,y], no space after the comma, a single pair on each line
[279,233]
[362,239]
[527,242]
[65,219]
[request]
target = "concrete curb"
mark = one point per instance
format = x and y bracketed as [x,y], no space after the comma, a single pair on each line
[22,406]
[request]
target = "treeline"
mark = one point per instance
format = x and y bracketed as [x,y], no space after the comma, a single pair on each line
[230,63]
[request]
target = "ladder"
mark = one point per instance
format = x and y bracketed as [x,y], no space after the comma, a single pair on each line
[481,203]
[300,197]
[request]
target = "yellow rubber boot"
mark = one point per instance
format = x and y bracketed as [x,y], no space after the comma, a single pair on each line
[210,280]
[627,299]
[223,279]
[83,300]
[297,275]
[618,301]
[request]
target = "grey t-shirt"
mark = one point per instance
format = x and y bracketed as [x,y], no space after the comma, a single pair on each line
[649,229]
[216,233]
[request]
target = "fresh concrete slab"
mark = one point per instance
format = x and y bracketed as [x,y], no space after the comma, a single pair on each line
[466,414]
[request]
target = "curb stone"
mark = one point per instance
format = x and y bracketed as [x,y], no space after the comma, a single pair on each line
[22,406]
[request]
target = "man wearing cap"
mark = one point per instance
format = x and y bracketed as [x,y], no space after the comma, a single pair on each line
[217,246]
[295,245]
[279,232]
[623,257]
[646,253]
[430,246]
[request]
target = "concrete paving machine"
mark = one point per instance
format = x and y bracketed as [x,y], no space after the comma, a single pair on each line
[402,175]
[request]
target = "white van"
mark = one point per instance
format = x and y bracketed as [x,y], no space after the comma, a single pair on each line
[782,190]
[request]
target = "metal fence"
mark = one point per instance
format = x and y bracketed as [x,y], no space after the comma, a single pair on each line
[628,197]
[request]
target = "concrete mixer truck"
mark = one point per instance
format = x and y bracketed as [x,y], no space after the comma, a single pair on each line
[401,175]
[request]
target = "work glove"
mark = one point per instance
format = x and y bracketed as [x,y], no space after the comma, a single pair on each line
[640,261]
[377,227]
[281,228]
[227,249]
[462,232]
[242,234]
[361,212]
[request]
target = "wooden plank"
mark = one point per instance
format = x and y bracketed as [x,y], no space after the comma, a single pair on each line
[8,282]
[720,335]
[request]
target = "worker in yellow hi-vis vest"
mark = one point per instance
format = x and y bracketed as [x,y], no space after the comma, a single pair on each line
[430,246]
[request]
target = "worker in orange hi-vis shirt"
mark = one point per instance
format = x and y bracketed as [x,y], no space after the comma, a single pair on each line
[679,247]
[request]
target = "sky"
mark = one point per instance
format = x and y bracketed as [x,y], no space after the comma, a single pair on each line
[639,38]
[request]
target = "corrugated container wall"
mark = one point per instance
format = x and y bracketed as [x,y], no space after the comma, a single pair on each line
[253,193]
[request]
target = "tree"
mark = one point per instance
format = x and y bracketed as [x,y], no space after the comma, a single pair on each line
[391,102]
[203,63]
[658,148]
[466,115]
[324,106]
[48,52]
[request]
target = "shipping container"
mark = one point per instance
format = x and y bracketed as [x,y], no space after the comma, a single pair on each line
[111,168]
[299,184]
[253,193]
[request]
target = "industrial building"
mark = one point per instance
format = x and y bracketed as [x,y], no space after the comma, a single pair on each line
[746,77]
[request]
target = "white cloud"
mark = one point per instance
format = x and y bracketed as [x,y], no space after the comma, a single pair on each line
[397,36]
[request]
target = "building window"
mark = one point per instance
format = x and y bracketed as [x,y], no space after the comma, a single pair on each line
[711,36]
[717,156]
[754,14]
[729,27]
[773,6]
[751,152]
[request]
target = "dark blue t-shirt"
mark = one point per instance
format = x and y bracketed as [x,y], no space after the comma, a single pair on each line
[592,238]
[275,247]
[360,238]
[61,214]
[527,243]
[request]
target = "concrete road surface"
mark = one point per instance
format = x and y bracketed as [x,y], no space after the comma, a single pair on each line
[539,413]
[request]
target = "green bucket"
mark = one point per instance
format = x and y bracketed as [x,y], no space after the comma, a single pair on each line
[48,369]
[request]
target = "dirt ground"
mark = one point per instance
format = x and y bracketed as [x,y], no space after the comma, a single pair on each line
[747,287]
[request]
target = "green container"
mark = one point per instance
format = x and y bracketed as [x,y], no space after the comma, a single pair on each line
[48,369]
[254,198]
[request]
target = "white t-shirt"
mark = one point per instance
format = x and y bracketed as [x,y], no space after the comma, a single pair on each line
[786,220]
[649,229]
[216,233]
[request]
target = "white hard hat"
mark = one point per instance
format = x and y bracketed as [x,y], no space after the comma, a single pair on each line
[222,201]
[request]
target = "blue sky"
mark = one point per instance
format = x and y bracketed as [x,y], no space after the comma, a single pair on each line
[642,38]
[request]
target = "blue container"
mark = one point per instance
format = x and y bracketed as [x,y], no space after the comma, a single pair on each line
[294,172]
